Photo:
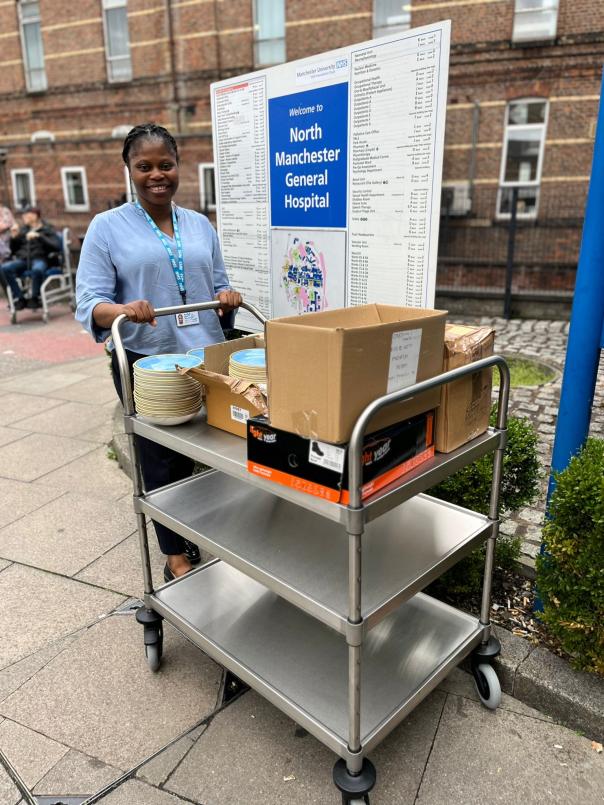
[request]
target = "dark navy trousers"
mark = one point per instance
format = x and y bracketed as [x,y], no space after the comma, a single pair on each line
[159,464]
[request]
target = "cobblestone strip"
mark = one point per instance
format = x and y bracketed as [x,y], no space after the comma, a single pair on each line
[543,341]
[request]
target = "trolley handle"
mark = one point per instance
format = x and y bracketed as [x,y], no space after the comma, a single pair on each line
[355,476]
[122,361]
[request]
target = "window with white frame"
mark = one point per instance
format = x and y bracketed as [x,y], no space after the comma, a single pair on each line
[42,136]
[207,187]
[117,40]
[522,157]
[390,16]
[269,32]
[535,20]
[119,132]
[75,189]
[31,45]
[24,189]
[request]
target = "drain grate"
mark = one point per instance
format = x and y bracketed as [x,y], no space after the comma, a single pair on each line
[232,686]
[129,607]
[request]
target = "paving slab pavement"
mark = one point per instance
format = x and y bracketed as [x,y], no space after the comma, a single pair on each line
[120,567]
[37,454]
[484,756]
[92,475]
[76,774]
[16,407]
[19,498]
[39,608]
[31,751]
[67,534]
[99,697]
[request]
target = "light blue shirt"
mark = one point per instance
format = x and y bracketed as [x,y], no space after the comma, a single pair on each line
[122,260]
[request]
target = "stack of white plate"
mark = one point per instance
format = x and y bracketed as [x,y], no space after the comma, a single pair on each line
[248,364]
[162,395]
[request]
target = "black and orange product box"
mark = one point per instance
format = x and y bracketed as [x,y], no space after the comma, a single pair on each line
[321,468]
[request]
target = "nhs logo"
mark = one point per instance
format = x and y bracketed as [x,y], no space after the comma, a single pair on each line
[314,71]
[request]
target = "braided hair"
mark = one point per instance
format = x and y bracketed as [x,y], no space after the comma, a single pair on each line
[150,131]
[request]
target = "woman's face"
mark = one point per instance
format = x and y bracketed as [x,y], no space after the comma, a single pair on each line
[154,171]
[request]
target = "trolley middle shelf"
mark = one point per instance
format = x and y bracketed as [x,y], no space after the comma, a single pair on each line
[303,557]
[301,666]
[227,453]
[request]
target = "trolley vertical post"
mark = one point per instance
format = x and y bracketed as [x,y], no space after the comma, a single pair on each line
[502,415]
[137,478]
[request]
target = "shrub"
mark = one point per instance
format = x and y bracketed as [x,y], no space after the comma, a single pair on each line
[470,487]
[570,576]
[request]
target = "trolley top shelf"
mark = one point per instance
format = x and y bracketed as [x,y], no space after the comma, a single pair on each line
[227,453]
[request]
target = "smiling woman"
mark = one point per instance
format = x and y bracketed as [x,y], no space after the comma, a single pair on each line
[149,254]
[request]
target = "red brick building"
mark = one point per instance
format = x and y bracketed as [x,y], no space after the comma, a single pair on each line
[523,94]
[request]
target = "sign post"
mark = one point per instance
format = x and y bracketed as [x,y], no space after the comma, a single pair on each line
[586,334]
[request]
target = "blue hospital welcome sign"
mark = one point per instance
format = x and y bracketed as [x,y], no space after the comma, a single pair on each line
[308,134]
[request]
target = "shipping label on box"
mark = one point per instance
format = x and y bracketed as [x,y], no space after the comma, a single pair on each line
[321,469]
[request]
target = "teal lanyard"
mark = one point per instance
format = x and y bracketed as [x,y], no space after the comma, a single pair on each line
[177,263]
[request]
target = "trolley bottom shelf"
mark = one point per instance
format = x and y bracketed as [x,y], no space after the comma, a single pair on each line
[301,666]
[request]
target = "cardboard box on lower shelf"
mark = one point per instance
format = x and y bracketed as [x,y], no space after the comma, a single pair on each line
[321,468]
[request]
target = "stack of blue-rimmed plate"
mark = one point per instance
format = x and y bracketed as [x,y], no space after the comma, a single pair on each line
[248,364]
[161,394]
[199,352]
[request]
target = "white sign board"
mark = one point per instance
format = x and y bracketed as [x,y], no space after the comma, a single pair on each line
[328,175]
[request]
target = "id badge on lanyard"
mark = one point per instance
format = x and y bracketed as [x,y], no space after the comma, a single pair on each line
[178,266]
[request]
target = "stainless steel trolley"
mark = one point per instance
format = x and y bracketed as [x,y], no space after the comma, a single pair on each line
[317,605]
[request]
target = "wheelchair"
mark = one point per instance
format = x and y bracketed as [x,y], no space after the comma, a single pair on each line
[57,286]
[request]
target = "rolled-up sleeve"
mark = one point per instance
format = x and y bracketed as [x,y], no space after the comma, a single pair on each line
[95,279]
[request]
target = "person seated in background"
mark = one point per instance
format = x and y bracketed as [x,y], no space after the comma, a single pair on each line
[6,223]
[30,245]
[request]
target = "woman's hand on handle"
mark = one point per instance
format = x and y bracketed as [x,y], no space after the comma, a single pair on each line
[141,312]
[229,300]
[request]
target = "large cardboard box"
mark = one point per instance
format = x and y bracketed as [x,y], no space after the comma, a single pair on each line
[229,402]
[325,368]
[321,469]
[465,404]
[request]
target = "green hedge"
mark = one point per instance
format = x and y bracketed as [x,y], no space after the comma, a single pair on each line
[570,576]
[471,488]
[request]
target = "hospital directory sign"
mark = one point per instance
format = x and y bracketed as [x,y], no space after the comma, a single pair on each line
[328,175]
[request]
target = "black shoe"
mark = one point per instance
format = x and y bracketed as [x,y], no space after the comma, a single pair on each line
[20,303]
[168,575]
[34,303]
[191,551]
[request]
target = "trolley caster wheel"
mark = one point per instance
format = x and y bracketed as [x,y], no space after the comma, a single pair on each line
[355,788]
[73,307]
[153,636]
[487,685]
[153,655]
[45,319]
[13,318]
